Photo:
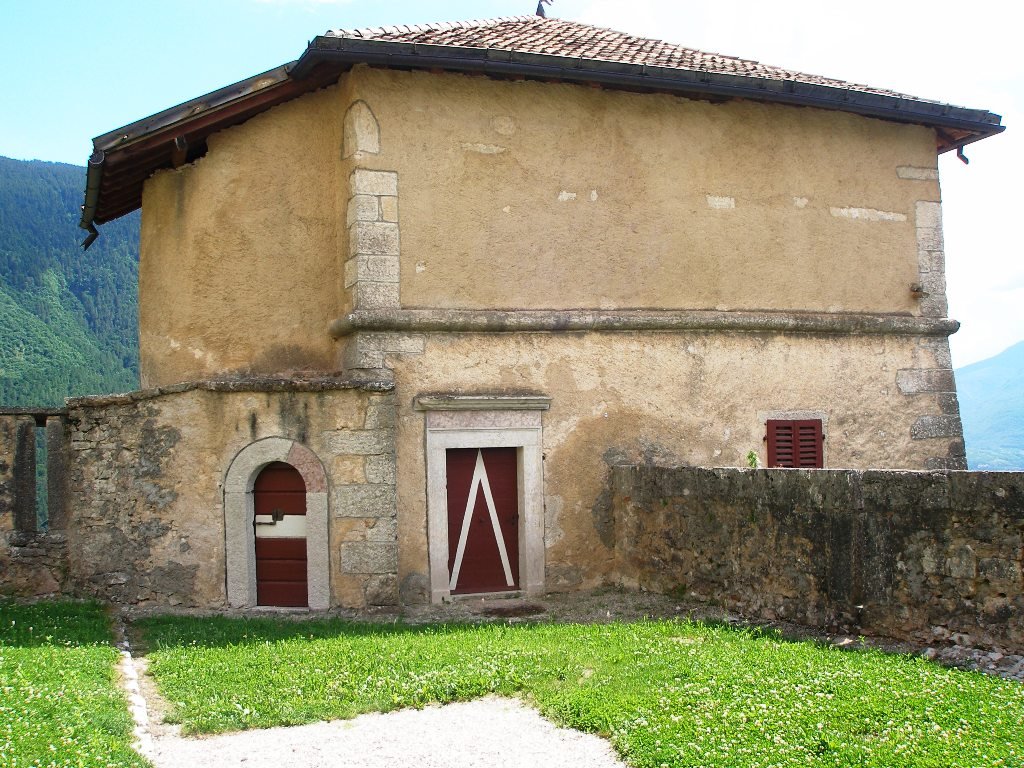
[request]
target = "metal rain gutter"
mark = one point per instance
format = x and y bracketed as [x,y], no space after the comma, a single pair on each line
[93,176]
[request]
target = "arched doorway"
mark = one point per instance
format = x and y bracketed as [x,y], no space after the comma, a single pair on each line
[279,506]
[239,514]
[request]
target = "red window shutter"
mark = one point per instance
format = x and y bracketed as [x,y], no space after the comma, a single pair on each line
[795,443]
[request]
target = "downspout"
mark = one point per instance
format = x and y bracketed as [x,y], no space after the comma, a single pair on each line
[92,194]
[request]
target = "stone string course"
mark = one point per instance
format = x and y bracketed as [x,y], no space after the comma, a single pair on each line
[930,557]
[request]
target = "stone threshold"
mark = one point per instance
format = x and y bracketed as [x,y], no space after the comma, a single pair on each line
[526,321]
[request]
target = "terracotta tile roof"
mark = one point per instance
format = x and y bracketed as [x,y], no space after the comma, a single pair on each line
[558,37]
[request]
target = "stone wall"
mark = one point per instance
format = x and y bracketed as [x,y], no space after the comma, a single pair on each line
[916,555]
[146,485]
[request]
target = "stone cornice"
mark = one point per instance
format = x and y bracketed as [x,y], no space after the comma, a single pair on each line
[482,403]
[300,383]
[529,321]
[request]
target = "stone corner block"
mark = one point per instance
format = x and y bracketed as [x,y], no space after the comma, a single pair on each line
[374,238]
[373,295]
[381,469]
[912,381]
[917,173]
[379,269]
[363,208]
[928,214]
[380,183]
[356,354]
[926,427]
[389,208]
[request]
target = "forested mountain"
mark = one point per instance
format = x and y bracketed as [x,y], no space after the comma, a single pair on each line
[992,408]
[68,319]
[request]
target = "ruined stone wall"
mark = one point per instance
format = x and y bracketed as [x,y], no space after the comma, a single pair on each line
[8,446]
[32,562]
[915,555]
[146,485]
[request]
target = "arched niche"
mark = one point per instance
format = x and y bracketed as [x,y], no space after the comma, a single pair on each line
[361,131]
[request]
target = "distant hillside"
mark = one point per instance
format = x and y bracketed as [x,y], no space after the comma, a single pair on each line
[991,396]
[68,319]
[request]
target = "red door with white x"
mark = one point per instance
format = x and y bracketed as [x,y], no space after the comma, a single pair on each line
[483,519]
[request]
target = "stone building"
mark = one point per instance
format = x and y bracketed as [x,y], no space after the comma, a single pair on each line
[425,286]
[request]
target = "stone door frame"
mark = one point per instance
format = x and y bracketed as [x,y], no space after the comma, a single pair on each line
[240,540]
[486,422]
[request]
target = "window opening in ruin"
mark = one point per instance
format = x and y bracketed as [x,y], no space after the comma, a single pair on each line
[42,508]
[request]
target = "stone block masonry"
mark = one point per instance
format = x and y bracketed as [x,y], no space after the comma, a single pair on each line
[372,270]
[148,487]
[920,556]
[365,509]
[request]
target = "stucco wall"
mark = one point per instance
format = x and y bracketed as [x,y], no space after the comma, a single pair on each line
[522,195]
[239,262]
[147,474]
[540,195]
[660,398]
[913,555]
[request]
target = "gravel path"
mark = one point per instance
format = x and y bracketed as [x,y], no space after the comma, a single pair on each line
[492,732]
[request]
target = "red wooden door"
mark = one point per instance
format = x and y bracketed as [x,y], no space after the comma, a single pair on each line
[483,519]
[279,499]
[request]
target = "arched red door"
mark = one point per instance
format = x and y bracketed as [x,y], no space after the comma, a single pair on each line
[279,499]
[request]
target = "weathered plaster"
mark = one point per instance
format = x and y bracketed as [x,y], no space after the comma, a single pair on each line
[694,209]
[240,263]
[661,398]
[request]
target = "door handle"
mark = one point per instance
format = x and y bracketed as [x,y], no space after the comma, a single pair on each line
[275,517]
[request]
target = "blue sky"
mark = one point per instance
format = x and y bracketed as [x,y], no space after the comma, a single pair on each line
[77,69]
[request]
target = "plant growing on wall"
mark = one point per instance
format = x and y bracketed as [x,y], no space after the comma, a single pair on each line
[752,461]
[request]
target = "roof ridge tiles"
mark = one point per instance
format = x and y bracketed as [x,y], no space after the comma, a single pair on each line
[434,26]
[608,44]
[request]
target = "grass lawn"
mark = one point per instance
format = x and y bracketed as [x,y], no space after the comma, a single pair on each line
[59,704]
[666,693]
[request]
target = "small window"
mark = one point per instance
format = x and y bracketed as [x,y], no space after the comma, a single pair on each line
[795,443]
